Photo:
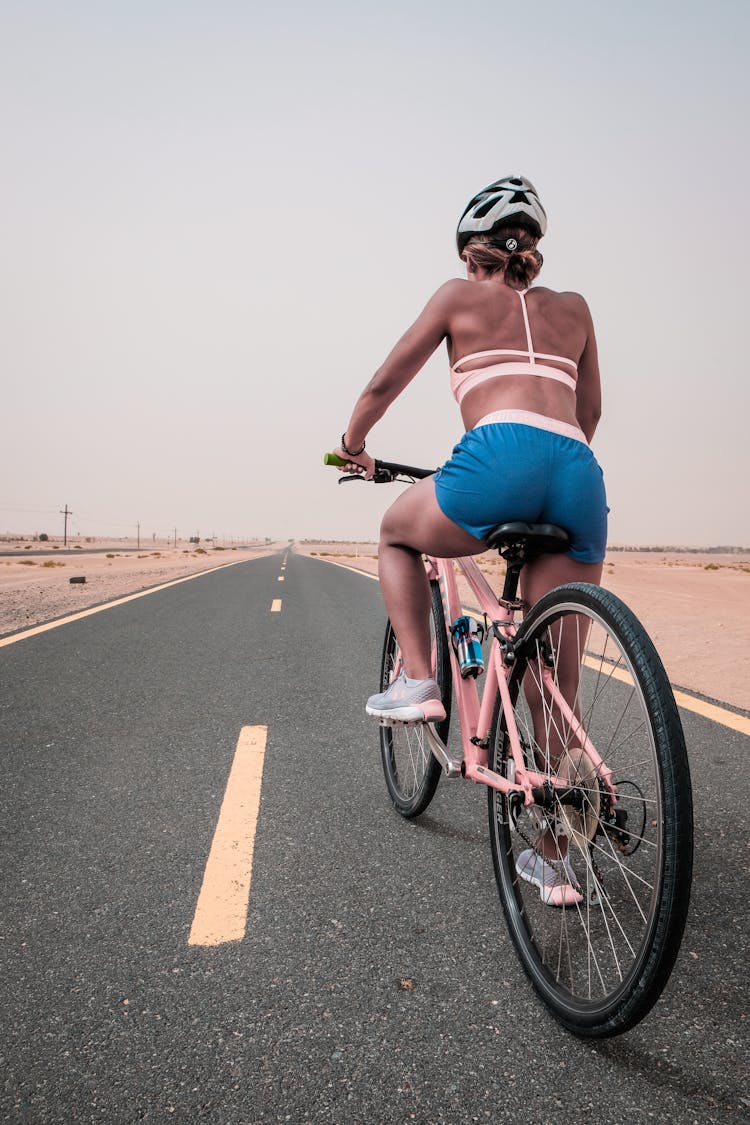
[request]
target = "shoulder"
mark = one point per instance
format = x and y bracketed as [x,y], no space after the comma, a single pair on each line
[573,303]
[566,295]
[577,303]
[574,300]
[451,292]
[452,296]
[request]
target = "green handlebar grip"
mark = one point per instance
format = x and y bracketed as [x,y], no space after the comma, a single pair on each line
[333,459]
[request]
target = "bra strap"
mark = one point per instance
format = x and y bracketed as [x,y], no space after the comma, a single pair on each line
[522,296]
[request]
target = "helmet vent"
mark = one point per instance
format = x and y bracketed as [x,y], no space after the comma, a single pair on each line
[483,208]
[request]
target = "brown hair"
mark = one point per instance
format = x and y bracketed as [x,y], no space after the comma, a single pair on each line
[519,264]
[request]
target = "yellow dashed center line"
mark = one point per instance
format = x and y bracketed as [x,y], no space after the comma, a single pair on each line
[281,578]
[276,605]
[221,911]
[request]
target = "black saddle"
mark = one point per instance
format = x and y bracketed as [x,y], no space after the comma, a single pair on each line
[519,543]
[527,541]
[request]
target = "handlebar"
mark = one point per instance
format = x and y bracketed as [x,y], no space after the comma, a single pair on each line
[385,471]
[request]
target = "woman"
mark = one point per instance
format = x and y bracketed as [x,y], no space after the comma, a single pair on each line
[525,374]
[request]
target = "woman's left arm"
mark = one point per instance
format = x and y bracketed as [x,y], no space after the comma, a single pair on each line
[399,368]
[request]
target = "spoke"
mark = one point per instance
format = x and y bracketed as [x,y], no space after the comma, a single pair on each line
[626,873]
[605,902]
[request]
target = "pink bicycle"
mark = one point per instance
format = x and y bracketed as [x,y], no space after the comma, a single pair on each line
[602,767]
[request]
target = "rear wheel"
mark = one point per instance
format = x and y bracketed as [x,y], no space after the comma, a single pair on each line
[411,770]
[601,962]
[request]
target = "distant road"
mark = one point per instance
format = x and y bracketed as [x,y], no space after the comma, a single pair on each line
[375,981]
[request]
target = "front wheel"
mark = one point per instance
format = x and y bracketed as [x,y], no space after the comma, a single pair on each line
[600,961]
[411,770]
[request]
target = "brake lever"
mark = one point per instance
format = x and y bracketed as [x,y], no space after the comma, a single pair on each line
[380,476]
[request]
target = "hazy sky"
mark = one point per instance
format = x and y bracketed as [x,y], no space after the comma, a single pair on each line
[218,217]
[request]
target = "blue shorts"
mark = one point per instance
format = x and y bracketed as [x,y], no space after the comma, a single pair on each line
[507,471]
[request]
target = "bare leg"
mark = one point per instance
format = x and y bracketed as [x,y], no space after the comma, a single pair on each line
[537,579]
[411,527]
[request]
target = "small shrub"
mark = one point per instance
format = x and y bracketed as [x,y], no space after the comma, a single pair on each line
[27,547]
[53,562]
[27,562]
[43,536]
[712,566]
[110,556]
[200,551]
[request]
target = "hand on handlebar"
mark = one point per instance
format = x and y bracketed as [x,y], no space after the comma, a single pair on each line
[363,463]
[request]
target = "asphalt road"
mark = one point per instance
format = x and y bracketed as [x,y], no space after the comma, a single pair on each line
[118,732]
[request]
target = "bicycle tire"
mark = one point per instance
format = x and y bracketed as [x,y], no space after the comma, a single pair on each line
[411,770]
[600,964]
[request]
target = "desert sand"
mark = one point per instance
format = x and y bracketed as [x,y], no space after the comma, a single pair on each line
[35,577]
[695,606]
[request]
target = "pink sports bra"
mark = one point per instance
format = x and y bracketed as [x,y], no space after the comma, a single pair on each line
[464,381]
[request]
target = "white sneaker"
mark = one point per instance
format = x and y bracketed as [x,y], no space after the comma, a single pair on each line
[556,879]
[415,701]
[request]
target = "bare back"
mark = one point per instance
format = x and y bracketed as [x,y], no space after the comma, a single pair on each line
[487,314]
[483,313]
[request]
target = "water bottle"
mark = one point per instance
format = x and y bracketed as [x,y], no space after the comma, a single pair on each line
[467,637]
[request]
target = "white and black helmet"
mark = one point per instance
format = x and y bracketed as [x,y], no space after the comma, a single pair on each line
[513,199]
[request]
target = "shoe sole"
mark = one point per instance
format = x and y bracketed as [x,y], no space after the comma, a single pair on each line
[431,711]
[545,893]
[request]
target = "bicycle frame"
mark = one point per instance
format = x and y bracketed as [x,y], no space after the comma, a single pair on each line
[475,717]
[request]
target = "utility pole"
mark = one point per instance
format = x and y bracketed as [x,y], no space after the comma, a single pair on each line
[65,513]
[138,525]
[175,537]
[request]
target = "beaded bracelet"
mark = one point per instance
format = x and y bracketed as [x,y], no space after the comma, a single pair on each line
[352,452]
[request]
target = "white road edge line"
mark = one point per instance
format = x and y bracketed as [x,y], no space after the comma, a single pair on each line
[46,626]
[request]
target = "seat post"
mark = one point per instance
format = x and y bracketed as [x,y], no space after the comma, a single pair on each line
[512,575]
[519,543]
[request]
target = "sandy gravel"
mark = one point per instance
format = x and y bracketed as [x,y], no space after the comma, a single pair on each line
[696,608]
[35,582]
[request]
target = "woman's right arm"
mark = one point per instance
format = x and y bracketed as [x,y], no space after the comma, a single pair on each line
[403,362]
